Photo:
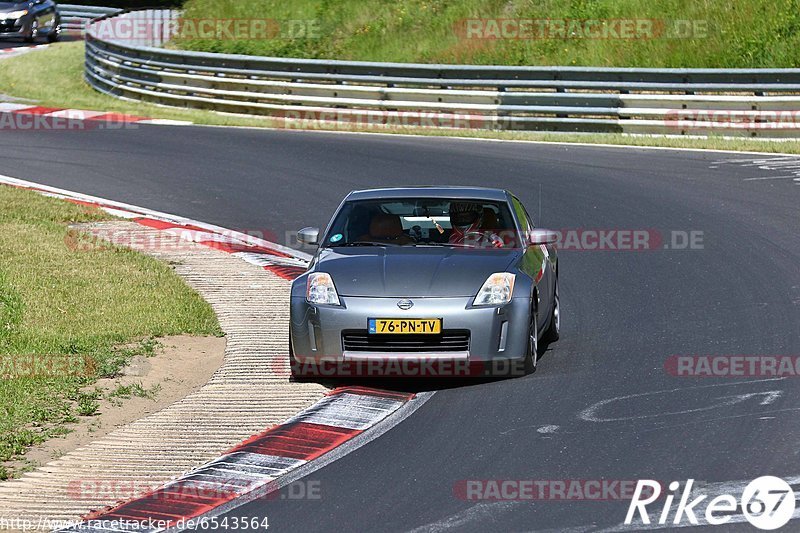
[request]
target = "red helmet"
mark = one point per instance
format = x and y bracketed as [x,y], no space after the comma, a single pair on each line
[464,213]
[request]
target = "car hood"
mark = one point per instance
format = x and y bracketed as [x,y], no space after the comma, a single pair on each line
[408,271]
[12,6]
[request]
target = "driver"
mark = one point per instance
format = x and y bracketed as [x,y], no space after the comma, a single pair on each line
[466,219]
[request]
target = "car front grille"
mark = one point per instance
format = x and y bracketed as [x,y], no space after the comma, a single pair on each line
[8,26]
[450,340]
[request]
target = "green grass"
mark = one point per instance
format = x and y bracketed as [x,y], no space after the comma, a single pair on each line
[87,403]
[752,33]
[53,77]
[69,316]
[125,392]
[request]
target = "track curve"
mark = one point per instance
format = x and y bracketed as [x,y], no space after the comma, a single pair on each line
[601,404]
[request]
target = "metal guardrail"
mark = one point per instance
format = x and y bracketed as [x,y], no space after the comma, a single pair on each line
[328,93]
[75,18]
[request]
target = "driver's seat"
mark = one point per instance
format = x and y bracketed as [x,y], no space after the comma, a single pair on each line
[386,228]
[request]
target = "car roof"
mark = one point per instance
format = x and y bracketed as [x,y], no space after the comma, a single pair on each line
[431,191]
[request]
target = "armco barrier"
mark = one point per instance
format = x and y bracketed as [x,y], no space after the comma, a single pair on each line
[735,102]
[74,18]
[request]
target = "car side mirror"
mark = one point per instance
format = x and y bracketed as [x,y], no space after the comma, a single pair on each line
[308,236]
[542,236]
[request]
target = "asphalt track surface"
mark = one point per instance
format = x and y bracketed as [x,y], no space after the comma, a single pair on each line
[625,312]
[19,43]
[16,43]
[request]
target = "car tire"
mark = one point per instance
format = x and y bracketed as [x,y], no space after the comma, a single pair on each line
[532,352]
[55,34]
[34,33]
[554,329]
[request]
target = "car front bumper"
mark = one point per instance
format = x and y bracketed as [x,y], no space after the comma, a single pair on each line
[12,34]
[13,28]
[495,333]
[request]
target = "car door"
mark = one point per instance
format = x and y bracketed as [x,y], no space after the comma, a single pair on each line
[535,261]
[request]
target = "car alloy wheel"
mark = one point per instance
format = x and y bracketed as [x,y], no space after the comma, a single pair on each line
[554,328]
[556,311]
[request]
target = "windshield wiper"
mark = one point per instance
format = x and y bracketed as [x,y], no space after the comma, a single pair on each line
[460,245]
[363,243]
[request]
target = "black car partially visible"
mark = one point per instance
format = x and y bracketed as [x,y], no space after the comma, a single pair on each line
[30,20]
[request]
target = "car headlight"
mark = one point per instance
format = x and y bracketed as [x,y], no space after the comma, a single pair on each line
[496,290]
[320,289]
[14,14]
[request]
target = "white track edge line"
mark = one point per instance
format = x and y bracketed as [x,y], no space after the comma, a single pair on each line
[368,435]
[293,473]
[349,446]
[9,180]
[526,141]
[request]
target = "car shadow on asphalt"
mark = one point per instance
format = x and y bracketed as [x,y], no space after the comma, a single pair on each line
[432,383]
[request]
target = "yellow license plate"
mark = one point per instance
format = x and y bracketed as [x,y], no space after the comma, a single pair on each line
[405,325]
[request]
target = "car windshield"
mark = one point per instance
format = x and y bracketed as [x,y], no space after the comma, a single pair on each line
[423,222]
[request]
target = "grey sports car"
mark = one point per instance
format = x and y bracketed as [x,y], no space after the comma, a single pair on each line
[425,281]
